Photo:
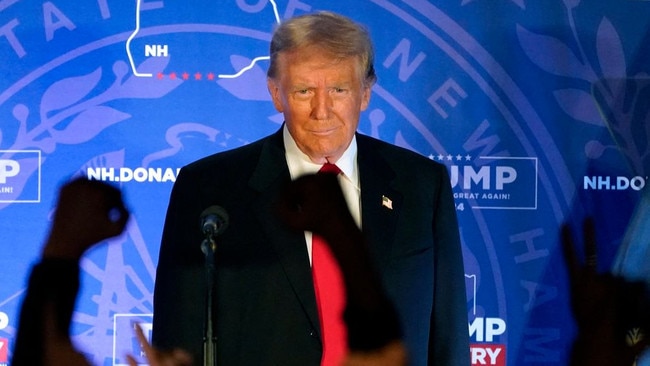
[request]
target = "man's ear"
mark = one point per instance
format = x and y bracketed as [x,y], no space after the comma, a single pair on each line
[365,99]
[274,90]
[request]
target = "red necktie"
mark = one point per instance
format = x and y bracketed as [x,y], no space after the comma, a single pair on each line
[330,295]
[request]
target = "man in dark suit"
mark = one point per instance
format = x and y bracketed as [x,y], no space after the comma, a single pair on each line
[320,78]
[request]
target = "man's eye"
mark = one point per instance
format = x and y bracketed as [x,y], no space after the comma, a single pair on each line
[302,94]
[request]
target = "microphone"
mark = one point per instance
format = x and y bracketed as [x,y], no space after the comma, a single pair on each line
[214,220]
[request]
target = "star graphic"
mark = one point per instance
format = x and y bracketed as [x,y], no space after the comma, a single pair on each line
[172,75]
[186,76]
[198,76]
[468,157]
[210,76]
[459,157]
[160,75]
[441,157]
[450,158]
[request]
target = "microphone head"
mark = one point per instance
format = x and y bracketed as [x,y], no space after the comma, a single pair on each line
[214,220]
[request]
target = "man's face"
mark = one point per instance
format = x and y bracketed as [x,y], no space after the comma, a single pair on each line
[321,99]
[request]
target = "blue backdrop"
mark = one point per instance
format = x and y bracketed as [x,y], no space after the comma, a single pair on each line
[539,109]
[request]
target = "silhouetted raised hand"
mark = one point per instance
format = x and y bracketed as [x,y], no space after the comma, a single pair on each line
[612,313]
[316,203]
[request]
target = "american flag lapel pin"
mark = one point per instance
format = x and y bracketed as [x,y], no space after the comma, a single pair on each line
[386,202]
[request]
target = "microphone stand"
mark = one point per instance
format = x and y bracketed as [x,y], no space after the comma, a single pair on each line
[209,247]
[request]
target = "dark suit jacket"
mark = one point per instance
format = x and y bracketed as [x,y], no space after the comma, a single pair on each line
[265,307]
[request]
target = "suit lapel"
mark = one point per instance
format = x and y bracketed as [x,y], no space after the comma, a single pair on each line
[381,202]
[269,177]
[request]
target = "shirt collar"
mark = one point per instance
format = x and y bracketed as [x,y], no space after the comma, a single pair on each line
[300,164]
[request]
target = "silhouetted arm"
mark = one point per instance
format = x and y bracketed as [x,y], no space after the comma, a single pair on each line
[316,203]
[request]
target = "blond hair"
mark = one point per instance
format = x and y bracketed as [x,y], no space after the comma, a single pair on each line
[333,33]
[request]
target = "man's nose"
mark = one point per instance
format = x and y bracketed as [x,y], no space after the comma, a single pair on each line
[321,105]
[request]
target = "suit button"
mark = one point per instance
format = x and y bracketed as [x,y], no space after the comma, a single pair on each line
[312,333]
